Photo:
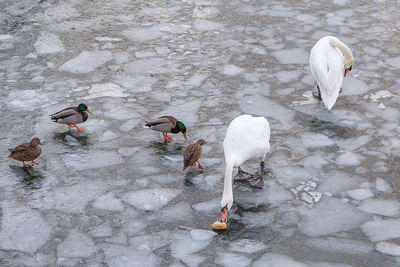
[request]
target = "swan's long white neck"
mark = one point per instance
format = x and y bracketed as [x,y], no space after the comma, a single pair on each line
[228,193]
[347,54]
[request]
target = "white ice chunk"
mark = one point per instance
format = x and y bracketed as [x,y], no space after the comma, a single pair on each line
[148,241]
[381,207]
[86,62]
[103,230]
[150,199]
[393,61]
[388,248]
[246,246]
[349,159]
[76,244]
[48,43]
[353,86]
[378,95]
[144,34]
[184,246]
[93,160]
[196,80]
[346,246]
[262,106]
[382,185]
[105,90]
[118,256]
[107,39]
[129,125]
[107,136]
[207,206]
[360,193]
[202,235]
[232,70]
[256,219]
[134,226]
[138,84]
[381,106]
[277,260]
[330,215]
[232,260]
[27,100]
[337,182]
[382,229]
[291,56]
[108,202]
[316,140]
[22,228]
[287,76]
[73,198]
[206,25]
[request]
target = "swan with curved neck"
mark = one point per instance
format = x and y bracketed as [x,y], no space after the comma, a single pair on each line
[330,61]
[247,137]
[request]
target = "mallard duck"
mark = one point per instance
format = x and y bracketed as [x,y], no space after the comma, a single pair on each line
[167,124]
[330,61]
[72,116]
[192,153]
[27,152]
[247,137]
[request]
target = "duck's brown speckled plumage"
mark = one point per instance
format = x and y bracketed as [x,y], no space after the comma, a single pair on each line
[192,153]
[27,152]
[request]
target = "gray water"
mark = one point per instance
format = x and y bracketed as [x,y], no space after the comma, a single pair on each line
[116,195]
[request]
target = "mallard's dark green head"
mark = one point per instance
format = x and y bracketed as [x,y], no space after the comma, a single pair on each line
[182,128]
[83,107]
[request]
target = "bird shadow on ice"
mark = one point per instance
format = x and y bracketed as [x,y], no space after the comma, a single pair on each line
[30,177]
[72,138]
[322,126]
[166,148]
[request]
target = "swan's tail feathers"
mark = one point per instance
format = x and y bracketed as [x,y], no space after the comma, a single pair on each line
[329,101]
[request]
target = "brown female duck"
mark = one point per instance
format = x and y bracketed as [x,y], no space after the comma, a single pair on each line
[27,152]
[192,153]
[167,124]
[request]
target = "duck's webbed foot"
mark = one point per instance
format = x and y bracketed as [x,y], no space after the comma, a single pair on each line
[317,93]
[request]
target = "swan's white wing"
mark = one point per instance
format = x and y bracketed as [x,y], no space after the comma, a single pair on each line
[326,65]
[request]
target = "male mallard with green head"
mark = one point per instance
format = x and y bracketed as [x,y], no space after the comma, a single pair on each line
[27,152]
[192,153]
[167,124]
[72,116]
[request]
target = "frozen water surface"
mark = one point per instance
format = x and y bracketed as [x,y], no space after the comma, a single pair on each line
[115,195]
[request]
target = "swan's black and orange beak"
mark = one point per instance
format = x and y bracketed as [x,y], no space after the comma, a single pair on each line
[347,70]
[224,214]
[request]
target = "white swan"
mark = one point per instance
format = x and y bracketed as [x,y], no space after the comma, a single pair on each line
[330,61]
[247,137]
